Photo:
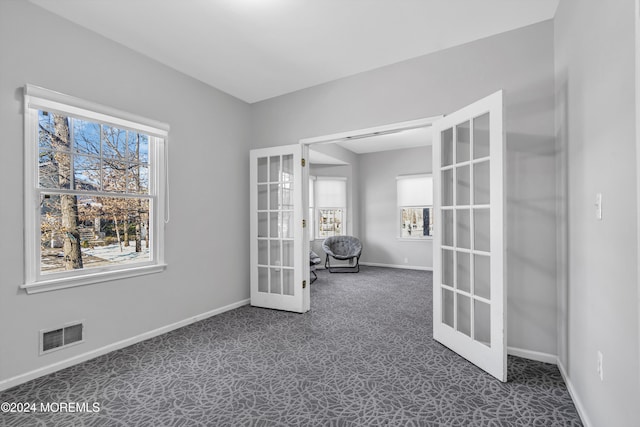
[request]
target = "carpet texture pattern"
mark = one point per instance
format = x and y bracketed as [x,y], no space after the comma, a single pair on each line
[363,356]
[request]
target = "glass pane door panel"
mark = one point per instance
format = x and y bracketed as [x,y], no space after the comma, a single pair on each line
[464,314]
[463,142]
[482,276]
[447,187]
[482,322]
[463,184]
[286,225]
[447,307]
[447,228]
[276,280]
[274,199]
[468,163]
[481,136]
[274,168]
[287,281]
[263,224]
[274,252]
[463,272]
[273,224]
[287,168]
[481,189]
[263,279]
[463,228]
[447,147]
[481,230]
[263,197]
[287,253]
[263,169]
[287,195]
[447,268]
[263,252]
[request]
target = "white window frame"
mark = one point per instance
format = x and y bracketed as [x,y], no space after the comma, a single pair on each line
[414,206]
[37,98]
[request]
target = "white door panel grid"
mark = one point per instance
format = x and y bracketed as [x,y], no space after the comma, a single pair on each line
[469,290]
[279,267]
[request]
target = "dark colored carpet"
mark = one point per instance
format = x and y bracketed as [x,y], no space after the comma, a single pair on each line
[363,356]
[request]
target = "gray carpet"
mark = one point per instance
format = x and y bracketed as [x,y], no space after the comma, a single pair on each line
[363,356]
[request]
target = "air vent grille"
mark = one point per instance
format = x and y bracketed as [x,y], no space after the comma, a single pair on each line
[57,338]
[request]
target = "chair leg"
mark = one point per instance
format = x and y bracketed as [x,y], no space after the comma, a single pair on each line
[314,278]
[352,269]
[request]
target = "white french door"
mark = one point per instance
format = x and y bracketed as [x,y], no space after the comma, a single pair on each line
[279,259]
[469,291]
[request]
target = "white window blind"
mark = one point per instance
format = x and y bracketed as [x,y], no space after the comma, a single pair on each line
[331,192]
[415,190]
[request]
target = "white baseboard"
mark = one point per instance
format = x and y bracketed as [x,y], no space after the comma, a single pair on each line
[23,378]
[402,266]
[574,396]
[533,355]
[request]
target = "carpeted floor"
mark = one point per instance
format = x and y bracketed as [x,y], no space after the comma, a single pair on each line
[363,356]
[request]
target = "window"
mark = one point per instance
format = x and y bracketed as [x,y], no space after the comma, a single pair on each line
[95,181]
[415,200]
[331,203]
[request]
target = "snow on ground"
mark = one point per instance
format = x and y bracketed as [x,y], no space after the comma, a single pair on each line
[113,254]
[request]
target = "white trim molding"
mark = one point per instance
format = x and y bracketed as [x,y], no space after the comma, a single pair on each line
[574,396]
[533,355]
[400,266]
[75,360]
[372,131]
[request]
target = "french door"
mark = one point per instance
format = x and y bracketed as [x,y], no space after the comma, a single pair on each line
[469,298]
[279,267]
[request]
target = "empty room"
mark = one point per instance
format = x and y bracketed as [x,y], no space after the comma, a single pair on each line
[467,173]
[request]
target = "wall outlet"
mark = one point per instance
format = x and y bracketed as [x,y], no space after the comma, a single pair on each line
[599,366]
[406,260]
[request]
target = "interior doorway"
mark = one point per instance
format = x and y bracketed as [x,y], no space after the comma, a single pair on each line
[337,156]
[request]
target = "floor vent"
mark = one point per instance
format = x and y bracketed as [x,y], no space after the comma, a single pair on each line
[62,337]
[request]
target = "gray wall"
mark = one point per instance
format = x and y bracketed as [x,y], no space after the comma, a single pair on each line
[379,209]
[521,63]
[208,147]
[594,62]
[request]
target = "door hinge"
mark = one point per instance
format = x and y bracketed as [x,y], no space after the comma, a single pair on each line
[304,223]
[303,162]
[304,284]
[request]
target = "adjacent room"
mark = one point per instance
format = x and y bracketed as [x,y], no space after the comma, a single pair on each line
[169,167]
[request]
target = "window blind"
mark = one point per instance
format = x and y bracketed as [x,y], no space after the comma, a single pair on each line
[415,190]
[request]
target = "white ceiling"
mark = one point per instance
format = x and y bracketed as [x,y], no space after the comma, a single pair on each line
[258,49]
[393,141]
[410,138]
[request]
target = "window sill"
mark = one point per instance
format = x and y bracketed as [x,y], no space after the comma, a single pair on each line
[91,278]
[415,239]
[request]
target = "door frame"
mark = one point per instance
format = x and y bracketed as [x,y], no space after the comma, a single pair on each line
[389,128]
[372,131]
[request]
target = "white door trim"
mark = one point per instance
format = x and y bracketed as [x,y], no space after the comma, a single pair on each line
[372,131]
